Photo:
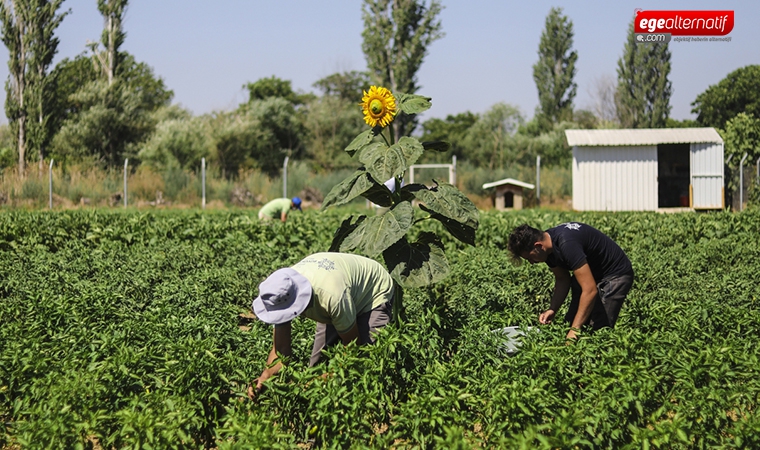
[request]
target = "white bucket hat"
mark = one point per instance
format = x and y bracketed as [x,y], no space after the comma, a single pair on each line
[282,296]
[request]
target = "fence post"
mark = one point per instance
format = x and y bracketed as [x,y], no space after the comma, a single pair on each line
[285,177]
[741,182]
[126,162]
[50,184]
[758,171]
[453,170]
[203,183]
[538,179]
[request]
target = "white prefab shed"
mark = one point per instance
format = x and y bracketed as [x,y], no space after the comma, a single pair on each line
[646,169]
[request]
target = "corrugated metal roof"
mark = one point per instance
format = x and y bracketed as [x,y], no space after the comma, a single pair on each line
[508,181]
[641,136]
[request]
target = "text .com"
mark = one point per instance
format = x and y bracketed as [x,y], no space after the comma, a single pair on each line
[659,37]
[685,23]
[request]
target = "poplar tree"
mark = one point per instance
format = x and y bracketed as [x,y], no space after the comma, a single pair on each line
[112,37]
[643,92]
[16,37]
[555,69]
[44,46]
[27,32]
[396,38]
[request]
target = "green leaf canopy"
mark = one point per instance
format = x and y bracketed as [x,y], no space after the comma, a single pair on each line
[417,264]
[359,183]
[384,163]
[360,142]
[448,205]
[375,234]
[413,104]
[346,228]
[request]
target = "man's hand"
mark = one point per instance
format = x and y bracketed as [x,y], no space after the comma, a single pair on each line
[572,335]
[546,316]
[255,388]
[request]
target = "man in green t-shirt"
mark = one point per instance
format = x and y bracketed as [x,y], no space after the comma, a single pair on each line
[279,208]
[349,296]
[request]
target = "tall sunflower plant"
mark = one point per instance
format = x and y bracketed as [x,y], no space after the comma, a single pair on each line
[385,161]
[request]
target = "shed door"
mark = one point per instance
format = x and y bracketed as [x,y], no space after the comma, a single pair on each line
[673,170]
[707,175]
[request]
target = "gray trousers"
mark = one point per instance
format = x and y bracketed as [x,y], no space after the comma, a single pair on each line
[368,323]
[611,293]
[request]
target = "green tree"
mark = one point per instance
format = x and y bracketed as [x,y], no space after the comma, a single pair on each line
[331,123]
[68,76]
[347,86]
[179,141]
[742,135]
[555,70]
[111,39]
[396,38]
[43,47]
[280,127]
[71,75]
[232,136]
[28,33]
[453,129]
[265,88]
[113,120]
[109,117]
[17,39]
[489,141]
[104,121]
[738,92]
[7,148]
[643,92]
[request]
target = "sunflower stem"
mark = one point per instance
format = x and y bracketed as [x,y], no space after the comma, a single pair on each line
[385,138]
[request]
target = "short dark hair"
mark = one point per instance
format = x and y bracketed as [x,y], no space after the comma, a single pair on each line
[522,239]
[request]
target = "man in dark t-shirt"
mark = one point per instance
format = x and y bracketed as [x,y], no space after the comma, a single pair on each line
[601,276]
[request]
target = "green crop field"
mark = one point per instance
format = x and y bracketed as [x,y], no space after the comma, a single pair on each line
[123,330]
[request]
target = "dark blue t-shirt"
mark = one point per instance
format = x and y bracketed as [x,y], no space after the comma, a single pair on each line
[575,244]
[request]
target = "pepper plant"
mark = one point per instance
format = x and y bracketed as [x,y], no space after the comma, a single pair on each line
[385,160]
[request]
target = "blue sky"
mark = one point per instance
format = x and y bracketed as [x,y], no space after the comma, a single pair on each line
[205,51]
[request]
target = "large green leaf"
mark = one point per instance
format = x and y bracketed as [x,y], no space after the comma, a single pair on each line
[411,149]
[377,233]
[438,146]
[344,230]
[406,193]
[453,209]
[360,141]
[463,232]
[378,194]
[448,201]
[357,184]
[413,104]
[419,264]
[383,162]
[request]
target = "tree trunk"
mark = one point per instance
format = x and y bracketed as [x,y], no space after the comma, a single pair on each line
[20,76]
[21,145]
[111,51]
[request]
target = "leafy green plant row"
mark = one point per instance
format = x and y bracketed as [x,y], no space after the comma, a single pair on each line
[122,330]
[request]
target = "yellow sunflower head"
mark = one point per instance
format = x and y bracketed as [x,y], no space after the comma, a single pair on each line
[379,106]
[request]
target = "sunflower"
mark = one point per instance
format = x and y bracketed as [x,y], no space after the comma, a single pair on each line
[379,106]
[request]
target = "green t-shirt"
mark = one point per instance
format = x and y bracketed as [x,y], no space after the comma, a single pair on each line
[275,208]
[343,287]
